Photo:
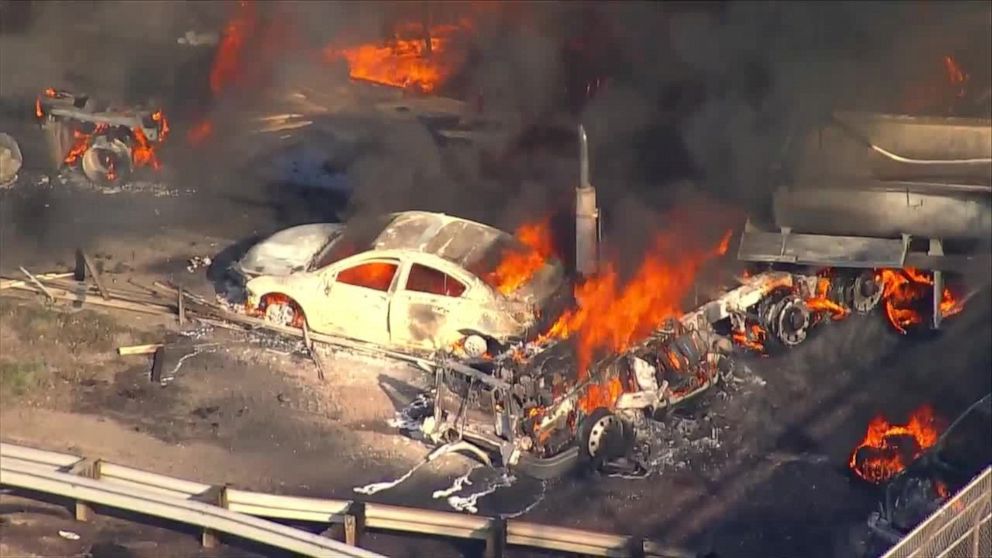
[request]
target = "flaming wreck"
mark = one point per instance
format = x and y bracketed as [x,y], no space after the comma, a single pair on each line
[108,143]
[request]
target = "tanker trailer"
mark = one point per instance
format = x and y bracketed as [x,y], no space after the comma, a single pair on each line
[873,191]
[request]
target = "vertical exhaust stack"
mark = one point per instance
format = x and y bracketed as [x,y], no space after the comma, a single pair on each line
[586,215]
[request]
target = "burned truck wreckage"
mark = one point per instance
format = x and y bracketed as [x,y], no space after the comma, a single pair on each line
[528,405]
[534,406]
[108,143]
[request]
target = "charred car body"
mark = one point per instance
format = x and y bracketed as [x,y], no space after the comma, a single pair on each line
[959,455]
[410,281]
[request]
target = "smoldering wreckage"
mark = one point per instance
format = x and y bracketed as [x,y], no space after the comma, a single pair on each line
[540,371]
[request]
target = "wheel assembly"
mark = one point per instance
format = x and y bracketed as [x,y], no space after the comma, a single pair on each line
[107,160]
[602,437]
[787,319]
[280,310]
[865,293]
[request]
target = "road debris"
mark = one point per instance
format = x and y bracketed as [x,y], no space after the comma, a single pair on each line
[69,535]
[10,160]
[198,262]
[469,503]
[437,453]
[36,283]
[139,349]
[456,485]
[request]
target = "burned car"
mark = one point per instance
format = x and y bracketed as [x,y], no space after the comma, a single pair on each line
[412,281]
[531,408]
[960,454]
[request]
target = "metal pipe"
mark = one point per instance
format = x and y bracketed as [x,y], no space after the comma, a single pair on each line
[583,158]
[586,215]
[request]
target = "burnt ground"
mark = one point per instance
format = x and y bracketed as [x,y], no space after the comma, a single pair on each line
[765,476]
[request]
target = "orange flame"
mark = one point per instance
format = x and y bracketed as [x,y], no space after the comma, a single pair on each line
[374,275]
[752,337]
[903,288]
[600,395]
[228,60]
[955,75]
[409,59]
[883,453]
[163,124]
[81,142]
[142,152]
[517,267]
[609,317]
[820,302]
[49,92]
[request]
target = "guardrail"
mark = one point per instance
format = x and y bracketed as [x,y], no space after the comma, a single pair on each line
[223,509]
[961,527]
[46,477]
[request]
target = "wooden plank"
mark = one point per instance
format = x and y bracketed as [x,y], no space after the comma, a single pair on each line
[38,284]
[144,308]
[181,306]
[95,274]
[115,294]
[139,349]
[11,283]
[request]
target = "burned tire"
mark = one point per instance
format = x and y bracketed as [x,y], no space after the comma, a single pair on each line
[602,437]
[281,310]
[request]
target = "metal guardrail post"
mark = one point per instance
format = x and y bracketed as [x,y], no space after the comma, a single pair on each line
[208,537]
[354,524]
[496,538]
[83,510]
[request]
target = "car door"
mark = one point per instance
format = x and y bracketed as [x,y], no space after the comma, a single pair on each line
[357,300]
[425,311]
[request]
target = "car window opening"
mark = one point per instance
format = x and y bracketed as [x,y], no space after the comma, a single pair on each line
[371,275]
[424,279]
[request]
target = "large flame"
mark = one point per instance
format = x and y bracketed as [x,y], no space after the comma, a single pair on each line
[610,316]
[956,77]
[902,291]
[518,266]
[229,60]
[820,301]
[752,337]
[598,395]
[888,448]
[410,59]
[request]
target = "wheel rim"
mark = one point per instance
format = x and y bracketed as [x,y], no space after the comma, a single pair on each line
[598,433]
[280,313]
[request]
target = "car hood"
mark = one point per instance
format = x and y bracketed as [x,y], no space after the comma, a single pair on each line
[290,250]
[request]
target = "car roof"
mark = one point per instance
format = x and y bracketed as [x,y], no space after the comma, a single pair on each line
[454,239]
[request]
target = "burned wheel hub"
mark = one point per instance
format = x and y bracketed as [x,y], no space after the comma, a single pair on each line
[788,320]
[281,313]
[107,160]
[601,437]
[599,433]
[865,293]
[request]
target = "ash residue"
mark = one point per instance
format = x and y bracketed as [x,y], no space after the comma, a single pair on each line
[694,437]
